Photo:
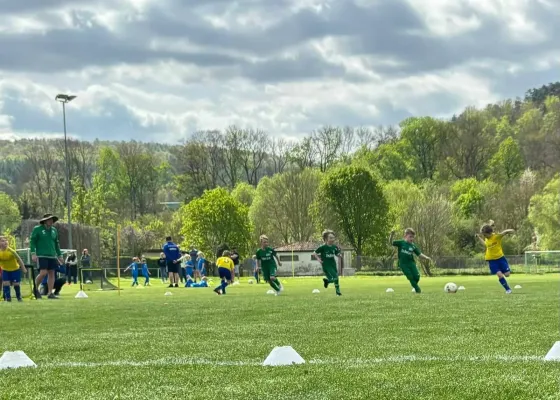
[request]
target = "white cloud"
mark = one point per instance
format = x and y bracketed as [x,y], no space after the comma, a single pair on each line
[158,70]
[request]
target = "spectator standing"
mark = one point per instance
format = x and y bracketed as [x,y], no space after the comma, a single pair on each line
[193,253]
[162,264]
[85,262]
[172,255]
[72,269]
[235,257]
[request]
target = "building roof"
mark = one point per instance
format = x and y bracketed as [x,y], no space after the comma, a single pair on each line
[305,247]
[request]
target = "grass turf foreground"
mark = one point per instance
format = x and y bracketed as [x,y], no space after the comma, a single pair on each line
[368,344]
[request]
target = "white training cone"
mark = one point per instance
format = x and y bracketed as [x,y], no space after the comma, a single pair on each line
[168,294]
[15,359]
[271,292]
[235,283]
[461,288]
[285,355]
[81,295]
[554,353]
[517,287]
[390,290]
[315,291]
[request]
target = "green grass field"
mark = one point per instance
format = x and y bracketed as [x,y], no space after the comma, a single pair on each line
[368,344]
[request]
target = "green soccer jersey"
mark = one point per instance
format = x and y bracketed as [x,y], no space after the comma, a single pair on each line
[328,255]
[266,256]
[406,253]
[44,242]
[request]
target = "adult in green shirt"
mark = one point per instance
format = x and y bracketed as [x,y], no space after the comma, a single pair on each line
[45,252]
[406,249]
[327,255]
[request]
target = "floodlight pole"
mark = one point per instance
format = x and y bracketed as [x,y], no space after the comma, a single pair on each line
[63,98]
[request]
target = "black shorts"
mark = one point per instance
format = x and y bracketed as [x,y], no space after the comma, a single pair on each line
[173,268]
[49,264]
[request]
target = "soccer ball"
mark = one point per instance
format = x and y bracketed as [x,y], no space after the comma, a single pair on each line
[450,288]
[89,282]
[250,281]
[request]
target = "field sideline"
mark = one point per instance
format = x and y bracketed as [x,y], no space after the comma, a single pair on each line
[367,344]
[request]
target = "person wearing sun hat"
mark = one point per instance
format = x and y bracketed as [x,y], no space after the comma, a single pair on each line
[45,252]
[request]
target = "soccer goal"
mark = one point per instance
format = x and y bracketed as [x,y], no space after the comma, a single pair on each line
[95,279]
[542,262]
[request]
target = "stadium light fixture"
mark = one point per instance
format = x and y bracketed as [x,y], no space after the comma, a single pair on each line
[63,99]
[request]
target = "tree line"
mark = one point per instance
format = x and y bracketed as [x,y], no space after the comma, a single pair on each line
[443,177]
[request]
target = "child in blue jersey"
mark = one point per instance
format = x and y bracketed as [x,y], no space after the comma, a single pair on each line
[189,268]
[203,282]
[201,264]
[145,272]
[134,268]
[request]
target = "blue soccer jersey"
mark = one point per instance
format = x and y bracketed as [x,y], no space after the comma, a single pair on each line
[171,251]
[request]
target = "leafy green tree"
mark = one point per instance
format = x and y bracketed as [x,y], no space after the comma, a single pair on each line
[281,207]
[244,193]
[544,214]
[400,195]
[356,199]
[213,219]
[508,163]
[390,160]
[10,218]
[424,136]
[467,197]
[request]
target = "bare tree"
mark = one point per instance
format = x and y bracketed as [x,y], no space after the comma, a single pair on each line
[232,142]
[254,147]
[280,154]
[365,137]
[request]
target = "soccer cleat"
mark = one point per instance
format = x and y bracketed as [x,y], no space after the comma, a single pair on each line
[325,283]
[218,291]
[338,294]
[52,296]
[37,294]
[176,285]
[508,291]
[20,299]
[170,285]
[9,300]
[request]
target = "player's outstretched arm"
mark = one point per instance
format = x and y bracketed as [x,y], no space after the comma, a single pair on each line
[20,262]
[425,257]
[481,239]
[277,260]
[507,232]
[318,257]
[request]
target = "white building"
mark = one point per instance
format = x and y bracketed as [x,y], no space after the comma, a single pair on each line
[297,258]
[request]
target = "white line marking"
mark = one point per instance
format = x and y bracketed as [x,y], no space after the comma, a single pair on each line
[254,363]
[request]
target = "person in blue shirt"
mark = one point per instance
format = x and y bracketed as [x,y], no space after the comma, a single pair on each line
[203,283]
[134,268]
[172,255]
[189,269]
[201,264]
[145,272]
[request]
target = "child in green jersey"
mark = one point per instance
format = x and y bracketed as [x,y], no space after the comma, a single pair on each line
[327,255]
[406,250]
[267,262]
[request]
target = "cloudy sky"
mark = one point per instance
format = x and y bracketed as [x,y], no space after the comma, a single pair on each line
[157,70]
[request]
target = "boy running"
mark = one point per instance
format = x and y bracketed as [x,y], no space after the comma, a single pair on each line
[268,262]
[327,255]
[495,254]
[134,268]
[225,270]
[406,250]
[45,251]
[145,272]
[11,266]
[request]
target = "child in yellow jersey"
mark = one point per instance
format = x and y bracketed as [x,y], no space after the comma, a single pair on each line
[495,254]
[12,267]
[226,269]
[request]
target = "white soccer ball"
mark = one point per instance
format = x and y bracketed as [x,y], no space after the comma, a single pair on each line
[250,281]
[450,288]
[89,282]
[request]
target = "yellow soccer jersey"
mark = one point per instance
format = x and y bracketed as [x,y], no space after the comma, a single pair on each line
[494,249]
[225,262]
[8,260]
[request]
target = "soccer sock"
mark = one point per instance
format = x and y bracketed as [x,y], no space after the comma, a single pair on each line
[336,285]
[17,289]
[274,285]
[7,294]
[504,283]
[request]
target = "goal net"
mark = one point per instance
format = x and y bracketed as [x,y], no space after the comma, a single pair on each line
[542,262]
[95,279]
